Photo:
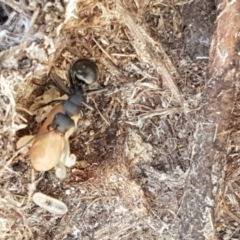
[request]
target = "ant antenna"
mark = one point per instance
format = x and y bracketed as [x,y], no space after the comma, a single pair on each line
[60,86]
[70,77]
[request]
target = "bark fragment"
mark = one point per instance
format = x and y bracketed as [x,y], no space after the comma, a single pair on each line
[150,51]
[215,119]
[225,38]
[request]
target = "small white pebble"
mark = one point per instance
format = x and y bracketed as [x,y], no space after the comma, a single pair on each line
[82,191]
[113,178]
[195,69]
[120,179]
[68,192]
[87,123]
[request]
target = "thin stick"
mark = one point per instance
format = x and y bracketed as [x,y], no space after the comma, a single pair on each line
[87,106]
[96,91]
[100,113]
[104,51]
[15,6]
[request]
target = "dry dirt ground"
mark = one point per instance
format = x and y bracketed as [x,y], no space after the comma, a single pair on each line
[135,145]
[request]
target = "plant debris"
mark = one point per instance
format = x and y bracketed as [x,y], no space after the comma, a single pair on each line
[157,149]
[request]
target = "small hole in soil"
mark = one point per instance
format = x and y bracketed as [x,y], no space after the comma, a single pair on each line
[3,15]
[13,26]
[24,63]
[4,99]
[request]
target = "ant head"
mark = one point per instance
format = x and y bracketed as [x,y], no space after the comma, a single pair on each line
[83,71]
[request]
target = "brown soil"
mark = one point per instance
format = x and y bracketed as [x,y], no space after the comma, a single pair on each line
[140,172]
